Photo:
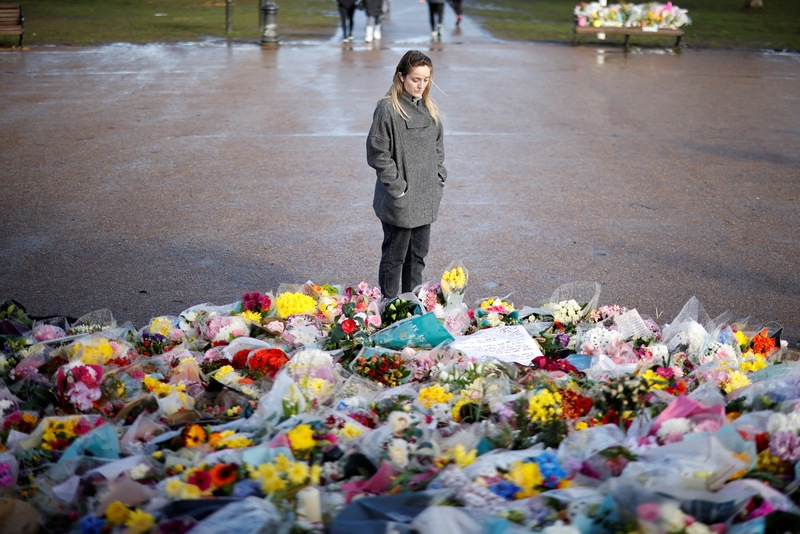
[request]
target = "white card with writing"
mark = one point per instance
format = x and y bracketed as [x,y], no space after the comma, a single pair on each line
[631,325]
[510,344]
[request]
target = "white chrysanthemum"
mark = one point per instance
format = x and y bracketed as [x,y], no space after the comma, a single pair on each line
[398,453]
[782,421]
[698,528]
[673,517]
[696,337]
[138,472]
[567,312]
[398,421]
[560,528]
[677,426]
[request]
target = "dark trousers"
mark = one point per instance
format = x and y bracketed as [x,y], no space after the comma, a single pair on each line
[436,10]
[402,258]
[346,14]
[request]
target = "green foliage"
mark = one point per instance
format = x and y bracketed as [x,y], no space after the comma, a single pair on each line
[90,22]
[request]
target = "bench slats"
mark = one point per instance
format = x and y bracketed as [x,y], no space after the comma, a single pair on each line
[12,21]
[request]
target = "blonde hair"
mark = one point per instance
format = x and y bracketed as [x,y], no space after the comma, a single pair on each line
[409,61]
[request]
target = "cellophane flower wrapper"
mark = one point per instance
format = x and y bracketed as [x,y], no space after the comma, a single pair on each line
[95,321]
[422,331]
[48,330]
[455,319]
[9,470]
[454,283]
[585,293]
[188,318]
[247,516]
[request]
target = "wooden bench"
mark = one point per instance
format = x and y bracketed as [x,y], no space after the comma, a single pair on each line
[627,32]
[11,21]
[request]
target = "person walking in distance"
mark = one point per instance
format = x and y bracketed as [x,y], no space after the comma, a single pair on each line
[436,15]
[374,9]
[458,8]
[347,10]
[405,146]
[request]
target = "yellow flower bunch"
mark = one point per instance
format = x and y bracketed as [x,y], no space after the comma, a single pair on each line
[229,439]
[460,456]
[223,371]
[162,326]
[160,388]
[433,395]
[752,362]
[138,521]
[654,380]
[454,280]
[527,476]
[545,406]
[117,513]
[178,489]
[493,302]
[736,380]
[290,303]
[57,430]
[349,431]
[93,351]
[315,388]
[251,316]
[741,339]
[460,404]
[284,474]
[302,437]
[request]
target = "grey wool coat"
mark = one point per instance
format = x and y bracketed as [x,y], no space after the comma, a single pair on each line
[408,158]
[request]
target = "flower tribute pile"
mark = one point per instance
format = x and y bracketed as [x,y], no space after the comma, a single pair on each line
[649,15]
[323,408]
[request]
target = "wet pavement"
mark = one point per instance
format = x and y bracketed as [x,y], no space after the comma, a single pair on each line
[147,179]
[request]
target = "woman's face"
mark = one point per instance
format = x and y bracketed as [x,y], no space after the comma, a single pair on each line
[415,82]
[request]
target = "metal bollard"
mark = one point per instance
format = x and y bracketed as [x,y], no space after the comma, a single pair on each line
[270,18]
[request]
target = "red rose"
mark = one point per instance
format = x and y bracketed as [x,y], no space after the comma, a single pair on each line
[240,359]
[349,326]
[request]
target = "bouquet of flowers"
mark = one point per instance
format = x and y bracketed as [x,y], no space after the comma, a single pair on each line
[382,366]
[454,284]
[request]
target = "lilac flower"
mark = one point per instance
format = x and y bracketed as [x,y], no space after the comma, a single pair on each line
[82,396]
[48,332]
[6,476]
[785,445]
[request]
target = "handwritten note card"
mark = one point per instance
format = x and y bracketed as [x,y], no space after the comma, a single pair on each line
[631,325]
[505,343]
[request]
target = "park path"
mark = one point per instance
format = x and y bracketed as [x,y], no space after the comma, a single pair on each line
[147,179]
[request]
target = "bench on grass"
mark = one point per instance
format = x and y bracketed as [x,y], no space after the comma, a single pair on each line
[627,32]
[11,20]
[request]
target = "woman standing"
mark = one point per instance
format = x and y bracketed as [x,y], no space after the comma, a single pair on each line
[405,146]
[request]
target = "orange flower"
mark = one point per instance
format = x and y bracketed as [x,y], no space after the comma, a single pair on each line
[762,343]
[223,474]
[194,436]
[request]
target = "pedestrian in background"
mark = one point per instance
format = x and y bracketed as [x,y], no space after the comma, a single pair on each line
[374,10]
[347,10]
[436,14]
[405,146]
[457,7]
